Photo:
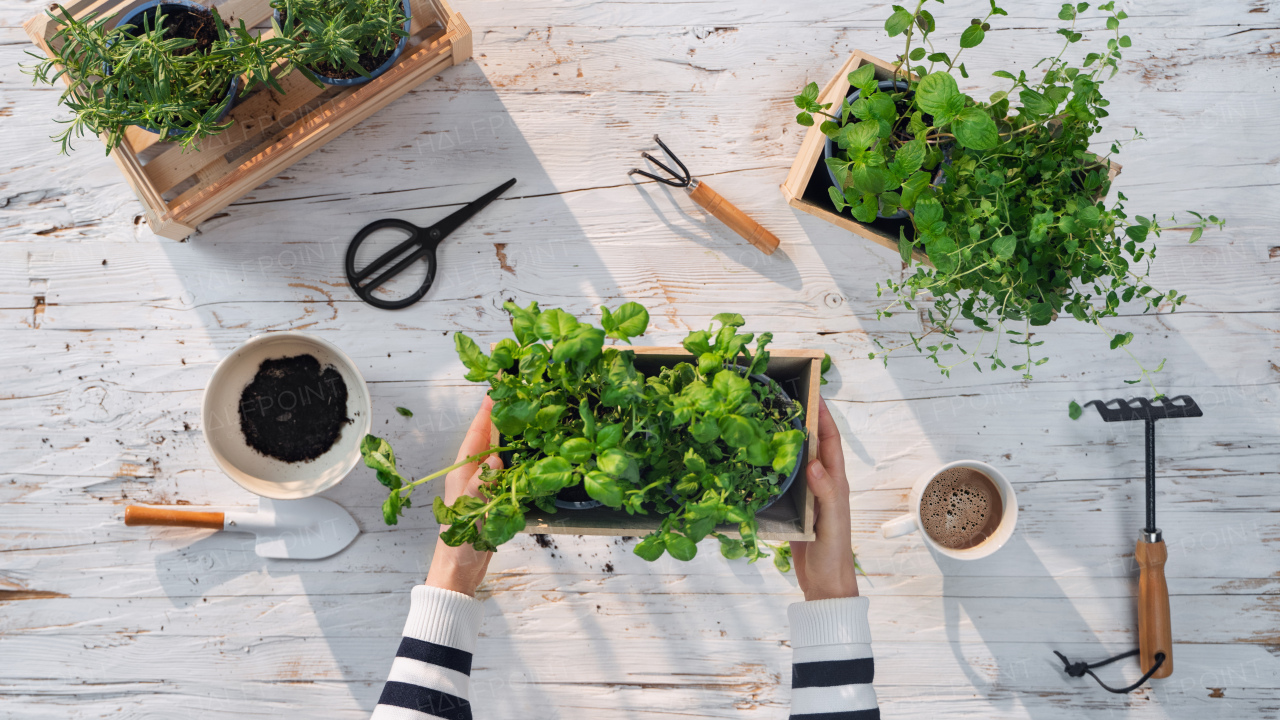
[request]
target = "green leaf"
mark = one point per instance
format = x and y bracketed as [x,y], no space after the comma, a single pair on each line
[479,366]
[379,456]
[609,436]
[975,129]
[523,321]
[729,319]
[909,157]
[918,54]
[550,475]
[786,447]
[404,411]
[577,450]
[1121,340]
[971,37]
[737,431]
[693,462]
[704,431]
[1195,234]
[651,547]
[898,22]
[864,77]
[502,523]
[680,547]
[927,212]
[583,343]
[628,321]
[549,416]
[512,417]
[732,386]
[730,548]
[904,247]
[782,554]
[697,342]
[804,119]
[554,324]
[1040,314]
[937,93]
[1074,411]
[1004,246]
[618,464]
[603,488]
[1037,104]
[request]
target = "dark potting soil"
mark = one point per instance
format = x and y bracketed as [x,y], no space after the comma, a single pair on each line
[180,22]
[293,410]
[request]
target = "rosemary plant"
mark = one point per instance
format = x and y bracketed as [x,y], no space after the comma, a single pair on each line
[150,75]
[343,38]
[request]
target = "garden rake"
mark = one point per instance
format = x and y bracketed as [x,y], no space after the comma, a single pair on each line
[1155,636]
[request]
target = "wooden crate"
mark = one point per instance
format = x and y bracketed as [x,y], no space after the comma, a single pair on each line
[790,518]
[179,190]
[806,186]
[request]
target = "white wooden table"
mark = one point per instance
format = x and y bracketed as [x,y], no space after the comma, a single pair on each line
[110,333]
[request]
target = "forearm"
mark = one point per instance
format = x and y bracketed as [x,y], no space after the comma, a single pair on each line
[832,667]
[430,677]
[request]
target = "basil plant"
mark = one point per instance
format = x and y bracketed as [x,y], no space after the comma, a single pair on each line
[698,443]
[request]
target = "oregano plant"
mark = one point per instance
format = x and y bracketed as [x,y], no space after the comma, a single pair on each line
[1018,229]
[700,443]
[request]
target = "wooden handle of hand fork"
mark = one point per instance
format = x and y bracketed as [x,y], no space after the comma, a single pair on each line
[738,221]
[1154,632]
[143,515]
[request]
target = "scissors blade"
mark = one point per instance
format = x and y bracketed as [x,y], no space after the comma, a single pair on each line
[452,222]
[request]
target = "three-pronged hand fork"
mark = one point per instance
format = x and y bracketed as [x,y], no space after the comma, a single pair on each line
[711,201]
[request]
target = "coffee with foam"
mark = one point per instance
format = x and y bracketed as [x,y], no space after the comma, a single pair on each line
[960,508]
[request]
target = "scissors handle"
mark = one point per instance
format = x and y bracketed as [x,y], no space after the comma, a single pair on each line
[425,238]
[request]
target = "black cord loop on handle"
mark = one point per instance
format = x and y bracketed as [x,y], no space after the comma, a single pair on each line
[1079,669]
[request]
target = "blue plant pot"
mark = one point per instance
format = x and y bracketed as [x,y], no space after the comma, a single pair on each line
[133,18]
[385,66]
[830,149]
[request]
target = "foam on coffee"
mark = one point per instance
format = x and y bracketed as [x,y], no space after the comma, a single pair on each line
[960,508]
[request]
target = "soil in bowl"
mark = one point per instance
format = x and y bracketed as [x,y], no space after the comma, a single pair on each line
[294,409]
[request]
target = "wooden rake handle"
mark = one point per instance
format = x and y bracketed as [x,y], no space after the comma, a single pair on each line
[1155,635]
[729,214]
[144,515]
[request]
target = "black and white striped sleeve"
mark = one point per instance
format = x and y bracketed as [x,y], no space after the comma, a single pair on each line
[430,677]
[832,668]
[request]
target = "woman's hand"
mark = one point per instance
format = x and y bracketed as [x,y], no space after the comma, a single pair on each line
[461,568]
[825,566]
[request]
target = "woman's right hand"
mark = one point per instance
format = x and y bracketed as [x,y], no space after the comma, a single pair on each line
[825,566]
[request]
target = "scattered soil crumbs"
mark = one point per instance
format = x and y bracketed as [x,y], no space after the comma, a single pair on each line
[545,541]
[608,567]
[293,410]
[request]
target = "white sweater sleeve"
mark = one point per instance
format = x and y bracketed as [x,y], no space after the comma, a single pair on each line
[430,677]
[832,668]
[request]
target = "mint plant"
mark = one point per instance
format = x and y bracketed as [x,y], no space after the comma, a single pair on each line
[150,75]
[1019,230]
[698,442]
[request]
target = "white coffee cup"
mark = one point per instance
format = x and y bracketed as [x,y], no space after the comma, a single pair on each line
[912,522]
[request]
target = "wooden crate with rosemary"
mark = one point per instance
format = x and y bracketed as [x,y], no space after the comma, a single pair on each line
[180,188]
[807,183]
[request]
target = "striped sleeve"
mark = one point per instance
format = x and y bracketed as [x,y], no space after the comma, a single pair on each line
[832,668]
[431,674]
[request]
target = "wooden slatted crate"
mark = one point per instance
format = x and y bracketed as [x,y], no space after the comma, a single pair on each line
[180,189]
[806,185]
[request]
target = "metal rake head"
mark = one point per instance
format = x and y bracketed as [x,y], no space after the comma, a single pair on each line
[677,179]
[1143,409]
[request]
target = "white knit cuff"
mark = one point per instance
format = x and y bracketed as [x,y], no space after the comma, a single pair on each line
[836,621]
[444,617]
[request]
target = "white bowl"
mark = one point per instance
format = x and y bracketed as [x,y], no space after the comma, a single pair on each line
[258,473]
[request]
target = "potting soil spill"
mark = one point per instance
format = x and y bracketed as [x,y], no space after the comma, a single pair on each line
[293,410]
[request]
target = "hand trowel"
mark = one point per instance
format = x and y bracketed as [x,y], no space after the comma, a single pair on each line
[306,529]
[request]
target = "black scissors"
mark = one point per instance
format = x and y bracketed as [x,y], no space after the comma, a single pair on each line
[422,241]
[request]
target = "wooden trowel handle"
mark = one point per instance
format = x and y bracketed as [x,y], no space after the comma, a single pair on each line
[144,515]
[1154,632]
[729,214]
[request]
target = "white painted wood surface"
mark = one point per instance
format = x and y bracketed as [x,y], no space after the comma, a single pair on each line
[108,334]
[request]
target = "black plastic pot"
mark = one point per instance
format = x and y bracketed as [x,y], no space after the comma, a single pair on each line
[385,66]
[134,17]
[830,149]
